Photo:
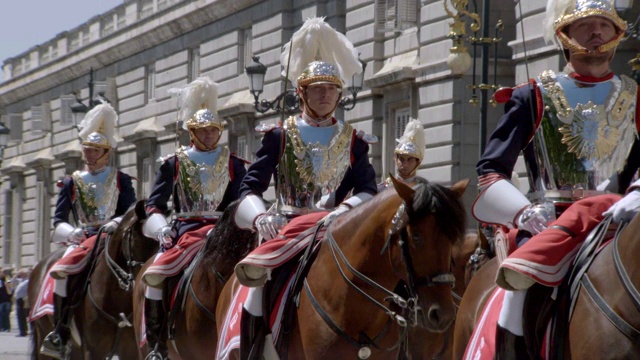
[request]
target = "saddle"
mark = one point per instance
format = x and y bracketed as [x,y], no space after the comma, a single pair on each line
[544,304]
[292,273]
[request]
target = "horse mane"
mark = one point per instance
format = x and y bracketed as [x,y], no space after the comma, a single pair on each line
[429,198]
[443,204]
[227,242]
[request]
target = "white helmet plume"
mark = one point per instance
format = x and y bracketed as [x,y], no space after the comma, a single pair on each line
[200,94]
[98,127]
[318,41]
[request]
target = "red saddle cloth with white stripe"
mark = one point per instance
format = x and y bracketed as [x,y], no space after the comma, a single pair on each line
[293,239]
[44,302]
[482,344]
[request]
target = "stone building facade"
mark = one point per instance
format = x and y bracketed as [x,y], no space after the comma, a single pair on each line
[142,48]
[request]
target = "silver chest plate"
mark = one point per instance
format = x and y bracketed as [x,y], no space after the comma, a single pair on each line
[584,137]
[202,181]
[308,170]
[96,196]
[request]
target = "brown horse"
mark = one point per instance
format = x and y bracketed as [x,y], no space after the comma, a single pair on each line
[106,313]
[98,315]
[194,328]
[602,300]
[404,234]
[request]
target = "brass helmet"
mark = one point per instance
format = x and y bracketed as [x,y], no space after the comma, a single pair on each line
[318,54]
[412,142]
[561,13]
[98,127]
[198,106]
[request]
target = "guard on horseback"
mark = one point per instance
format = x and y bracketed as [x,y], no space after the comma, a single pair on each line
[203,179]
[408,154]
[578,132]
[311,155]
[96,197]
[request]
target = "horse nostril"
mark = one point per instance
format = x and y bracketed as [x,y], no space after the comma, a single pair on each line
[434,315]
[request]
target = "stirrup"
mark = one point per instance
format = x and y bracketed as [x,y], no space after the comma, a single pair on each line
[155,355]
[52,346]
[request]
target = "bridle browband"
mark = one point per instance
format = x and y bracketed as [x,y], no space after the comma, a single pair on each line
[399,225]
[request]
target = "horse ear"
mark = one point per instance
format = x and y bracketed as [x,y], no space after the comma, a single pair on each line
[405,191]
[459,187]
[141,213]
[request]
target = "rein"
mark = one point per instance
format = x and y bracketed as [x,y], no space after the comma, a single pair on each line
[126,280]
[623,326]
[399,224]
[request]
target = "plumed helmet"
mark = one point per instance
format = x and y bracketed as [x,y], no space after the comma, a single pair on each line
[319,54]
[561,13]
[198,104]
[98,127]
[412,142]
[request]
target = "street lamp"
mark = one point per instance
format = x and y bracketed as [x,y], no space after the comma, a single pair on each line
[459,60]
[4,139]
[288,100]
[79,109]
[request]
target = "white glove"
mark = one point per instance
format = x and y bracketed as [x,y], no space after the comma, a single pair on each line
[626,208]
[77,236]
[334,214]
[269,225]
[536,217]
[165,236]
[110,227]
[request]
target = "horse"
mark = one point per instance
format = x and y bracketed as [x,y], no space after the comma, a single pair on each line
[605,322]
[108,304]
[101,330]
[403,234]
[193,328]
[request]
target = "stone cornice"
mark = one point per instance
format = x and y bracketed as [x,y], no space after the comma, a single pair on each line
[141,35]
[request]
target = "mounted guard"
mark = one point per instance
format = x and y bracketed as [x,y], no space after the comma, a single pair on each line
[97,197]
[203,178]
[578,132]
[408,154]
[311,155]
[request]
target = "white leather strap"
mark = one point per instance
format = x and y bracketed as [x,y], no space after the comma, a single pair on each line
[499,203]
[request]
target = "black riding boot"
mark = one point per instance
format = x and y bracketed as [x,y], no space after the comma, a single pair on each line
[252,333]
[55,343]
[155,319]
[509,346]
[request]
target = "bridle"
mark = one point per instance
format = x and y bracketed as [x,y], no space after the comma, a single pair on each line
[126,279]
[409,306]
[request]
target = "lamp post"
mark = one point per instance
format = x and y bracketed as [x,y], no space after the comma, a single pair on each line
[4,139]
[633,31]
[288,100]
[79,109]
[460,61]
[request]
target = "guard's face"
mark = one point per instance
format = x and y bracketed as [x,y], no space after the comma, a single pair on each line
[406,164]
[92,155]
[208,136]
[592,31]
[322,98]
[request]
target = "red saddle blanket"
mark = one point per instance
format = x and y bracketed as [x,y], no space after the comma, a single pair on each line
[482,344]
[229,337]
[44,302]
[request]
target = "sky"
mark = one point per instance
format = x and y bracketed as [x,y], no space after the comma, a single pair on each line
[26,23]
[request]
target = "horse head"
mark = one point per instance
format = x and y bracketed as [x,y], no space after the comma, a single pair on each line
[421,236]
[128,249]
